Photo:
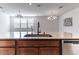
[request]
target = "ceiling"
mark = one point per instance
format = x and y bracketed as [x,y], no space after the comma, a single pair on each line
[37,9]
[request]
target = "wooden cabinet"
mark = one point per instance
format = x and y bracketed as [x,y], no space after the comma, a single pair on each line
[7,43]
[7,47]
[39,47]
[38,43]
[27,43]
[49,51]
[30,47]
[49,43]
[27,51]
[7,51]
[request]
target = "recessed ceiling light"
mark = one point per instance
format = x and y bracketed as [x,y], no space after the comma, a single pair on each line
[60,7]
[1,7]
[30,4]
[38,5]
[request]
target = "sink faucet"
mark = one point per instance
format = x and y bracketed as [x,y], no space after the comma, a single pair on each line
[38,28]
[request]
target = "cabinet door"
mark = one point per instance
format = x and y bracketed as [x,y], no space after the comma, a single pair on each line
[7,43]
[49,43]
[38,43]
[7,51]
[49,51]
[27,43]
[27,51]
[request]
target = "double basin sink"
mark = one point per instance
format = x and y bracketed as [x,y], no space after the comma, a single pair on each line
[38,35]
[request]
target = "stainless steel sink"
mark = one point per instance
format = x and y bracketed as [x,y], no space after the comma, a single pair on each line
[36,35]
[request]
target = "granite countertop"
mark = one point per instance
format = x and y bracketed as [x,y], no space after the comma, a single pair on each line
[56,35]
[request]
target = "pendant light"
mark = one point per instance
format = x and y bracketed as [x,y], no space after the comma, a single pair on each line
[52,17]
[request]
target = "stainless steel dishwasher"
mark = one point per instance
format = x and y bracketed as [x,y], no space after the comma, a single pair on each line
[70,47]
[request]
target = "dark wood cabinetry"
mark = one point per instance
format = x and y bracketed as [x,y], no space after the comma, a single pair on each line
[25,43]
[30,47]
[49,51]
[27,51]
[7,51]
[7,47]
[39,47]
[7,43]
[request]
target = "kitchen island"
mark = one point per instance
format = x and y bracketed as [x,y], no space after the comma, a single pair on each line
[35,45]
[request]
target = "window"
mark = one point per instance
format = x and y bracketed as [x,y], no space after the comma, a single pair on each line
[21,26]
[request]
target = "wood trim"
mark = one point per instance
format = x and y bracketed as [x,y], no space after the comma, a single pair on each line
[37,39]
[60,47]
[16,47]
[37,46]
[7,46]
[7,39]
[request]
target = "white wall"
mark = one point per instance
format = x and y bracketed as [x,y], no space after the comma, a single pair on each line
[75,19]
[4,26]
[48,25]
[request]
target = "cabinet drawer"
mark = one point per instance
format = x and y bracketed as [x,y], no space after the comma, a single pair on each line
[39,43]
[7,51]
[7,43]
[28,51]
[49,51]
[28,43]
[49,43]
